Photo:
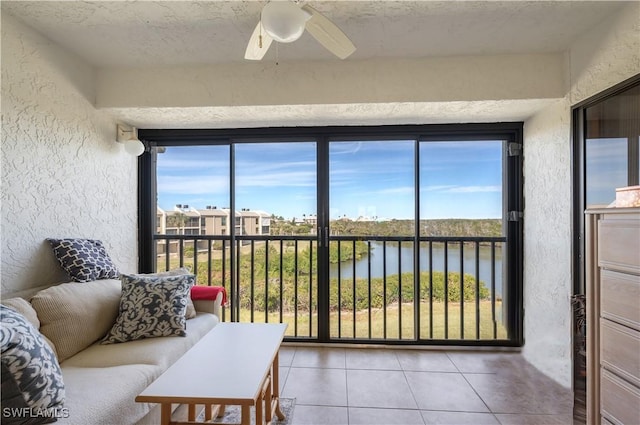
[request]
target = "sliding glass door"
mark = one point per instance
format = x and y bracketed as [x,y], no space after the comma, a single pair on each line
[275,189]
[462,239]
[408,235]
[371,228]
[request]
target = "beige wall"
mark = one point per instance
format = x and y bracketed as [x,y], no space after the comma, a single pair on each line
[603,57]
[472,78]
[63,175]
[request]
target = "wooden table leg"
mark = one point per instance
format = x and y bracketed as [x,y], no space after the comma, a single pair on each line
[245,415]
[165,413]
[275,382]
[268,406]
[259,413]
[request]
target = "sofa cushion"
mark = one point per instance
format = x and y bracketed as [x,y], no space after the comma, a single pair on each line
[106,395]
[84,259]
[161,352]
[191,309]
[75,315]
[31,375]
[23,307]
[151,307]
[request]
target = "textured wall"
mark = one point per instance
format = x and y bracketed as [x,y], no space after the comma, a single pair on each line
[63,175]
[547,241]
[605,56]
[469,78]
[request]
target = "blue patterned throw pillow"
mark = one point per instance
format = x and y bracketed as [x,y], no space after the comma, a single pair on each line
[151,307]
[32,385]
[84,259]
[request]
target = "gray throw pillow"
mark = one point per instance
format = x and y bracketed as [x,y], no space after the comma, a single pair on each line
[151,307]
[32,385]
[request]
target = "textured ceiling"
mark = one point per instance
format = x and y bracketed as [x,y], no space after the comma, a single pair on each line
[161,33]
[145,34]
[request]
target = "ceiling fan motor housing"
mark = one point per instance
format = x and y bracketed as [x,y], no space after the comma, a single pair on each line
[284,21]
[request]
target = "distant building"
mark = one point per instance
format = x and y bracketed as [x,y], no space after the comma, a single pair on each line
[185,220]
[311,219]
[265,222]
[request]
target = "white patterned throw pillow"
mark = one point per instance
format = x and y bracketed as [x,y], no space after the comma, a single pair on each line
[191,309]
[151,307]
[32,385]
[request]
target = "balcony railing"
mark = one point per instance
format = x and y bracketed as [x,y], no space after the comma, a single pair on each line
[371,289]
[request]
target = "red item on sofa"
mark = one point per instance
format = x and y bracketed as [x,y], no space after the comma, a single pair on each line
[199,292]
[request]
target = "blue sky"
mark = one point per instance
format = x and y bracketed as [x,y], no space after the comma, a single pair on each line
[373,179]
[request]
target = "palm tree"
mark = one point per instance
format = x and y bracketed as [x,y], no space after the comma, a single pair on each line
[178,219]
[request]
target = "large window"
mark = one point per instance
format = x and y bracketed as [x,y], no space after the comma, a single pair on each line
[408,234]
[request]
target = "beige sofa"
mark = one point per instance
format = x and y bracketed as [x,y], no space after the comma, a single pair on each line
[102,381]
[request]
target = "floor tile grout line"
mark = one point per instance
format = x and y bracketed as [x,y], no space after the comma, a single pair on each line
[452,362]
[422,410]
[415,400]
[476,393]
[346,384]
[280,391]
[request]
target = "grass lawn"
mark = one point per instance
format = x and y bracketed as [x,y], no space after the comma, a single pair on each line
[342,324]
[392,322]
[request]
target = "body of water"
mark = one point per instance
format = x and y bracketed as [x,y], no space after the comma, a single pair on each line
[400,259]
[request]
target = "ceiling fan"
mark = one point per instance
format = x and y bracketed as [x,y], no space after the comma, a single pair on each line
[285,21]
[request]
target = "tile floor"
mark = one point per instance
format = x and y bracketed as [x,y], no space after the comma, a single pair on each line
[391,386]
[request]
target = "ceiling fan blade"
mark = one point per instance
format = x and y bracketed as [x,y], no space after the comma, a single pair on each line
[328,34]
[258,44]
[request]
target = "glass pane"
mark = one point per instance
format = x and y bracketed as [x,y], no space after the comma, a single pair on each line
[461,206]
[275,190]
[462,180]
[372,208]
[606,169]
[191,180]
[278,179]
[612,129]
[372,182]
[193,196]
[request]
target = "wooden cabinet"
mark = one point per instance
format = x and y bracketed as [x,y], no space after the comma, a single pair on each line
[613,316]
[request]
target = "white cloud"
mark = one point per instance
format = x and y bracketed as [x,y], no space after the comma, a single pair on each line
[474,189]
[282,179]
[396,190]
[437,188]
[450,188]
[193,185]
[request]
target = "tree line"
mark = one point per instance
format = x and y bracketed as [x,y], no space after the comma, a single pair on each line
[263,284]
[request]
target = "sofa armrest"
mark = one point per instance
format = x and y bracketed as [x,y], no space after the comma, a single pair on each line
[209,306]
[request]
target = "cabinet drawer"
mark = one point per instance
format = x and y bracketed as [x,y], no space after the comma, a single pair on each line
[620,298]
[619,245]
[620,350]
[619,400]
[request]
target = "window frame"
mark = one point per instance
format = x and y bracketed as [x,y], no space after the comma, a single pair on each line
[510,132]
[578,162]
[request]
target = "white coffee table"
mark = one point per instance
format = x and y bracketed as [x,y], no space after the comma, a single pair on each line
[234,364]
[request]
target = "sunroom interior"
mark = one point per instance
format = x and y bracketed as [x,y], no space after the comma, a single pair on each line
[72,71]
